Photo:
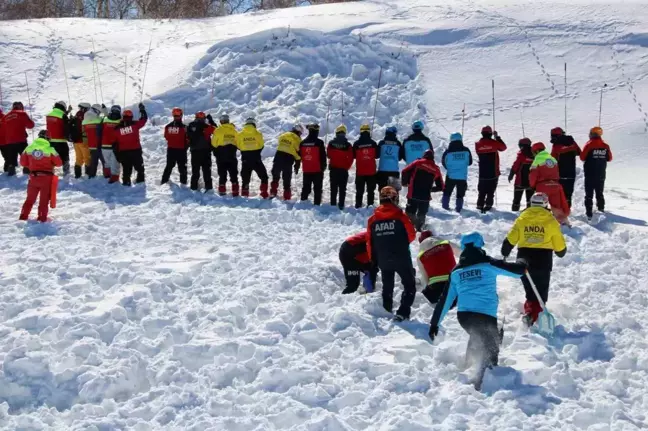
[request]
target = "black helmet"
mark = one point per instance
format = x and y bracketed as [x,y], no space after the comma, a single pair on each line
[43,134]
[18,106]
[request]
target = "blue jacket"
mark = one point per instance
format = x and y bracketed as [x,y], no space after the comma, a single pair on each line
[391,152]
[474,284]
[415,145]
[456,160]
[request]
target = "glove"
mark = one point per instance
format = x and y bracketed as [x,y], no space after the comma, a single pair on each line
[434,331]
[209,117]
[495,134]
[103,106]
[511,175]
[142,107]
[297,166]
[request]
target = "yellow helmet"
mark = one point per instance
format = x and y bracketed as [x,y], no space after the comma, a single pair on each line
[597,131]
[365,128]
[341,129]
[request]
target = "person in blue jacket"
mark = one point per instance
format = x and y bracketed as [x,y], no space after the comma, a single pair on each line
[456,160]
[391,152]
[416,144]
[473,283]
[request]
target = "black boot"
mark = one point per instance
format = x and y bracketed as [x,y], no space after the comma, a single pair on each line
[77,172]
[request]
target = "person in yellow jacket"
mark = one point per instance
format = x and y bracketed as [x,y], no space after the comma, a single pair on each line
[224,148]
[250,143]
[287,154]
[537,235]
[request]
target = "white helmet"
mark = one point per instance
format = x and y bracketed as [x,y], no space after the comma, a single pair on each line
[63,104]
[251,121]
[298,128]
[540,200]
[84,105]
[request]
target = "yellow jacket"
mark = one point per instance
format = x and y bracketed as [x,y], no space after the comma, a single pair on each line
[537,228]
[289,143]
[249,139]
[226,134]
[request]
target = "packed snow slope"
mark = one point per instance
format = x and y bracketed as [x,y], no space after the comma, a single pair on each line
[155,307]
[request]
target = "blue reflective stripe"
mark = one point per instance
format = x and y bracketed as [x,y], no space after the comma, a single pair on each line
[389,158]
[457,164]
[414,150]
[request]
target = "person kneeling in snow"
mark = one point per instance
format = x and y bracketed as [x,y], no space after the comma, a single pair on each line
[355,262]
[436,260]
[474,284]
[41,159]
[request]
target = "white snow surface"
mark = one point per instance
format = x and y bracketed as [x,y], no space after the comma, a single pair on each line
[158,308]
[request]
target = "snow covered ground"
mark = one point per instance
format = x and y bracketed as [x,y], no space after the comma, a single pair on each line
[157,308]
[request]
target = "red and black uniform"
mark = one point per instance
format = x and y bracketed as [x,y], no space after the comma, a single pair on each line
[40,159]
[365,153]
[436,260]
[3,149]
[14,126]
[488,150]
[313,158]
[566,151]
[355,261]
[199,134]
[390,234]
[422,178]
[340,154]
[58,127]
[596,155]
[520,171]
[127,147]
[175,134]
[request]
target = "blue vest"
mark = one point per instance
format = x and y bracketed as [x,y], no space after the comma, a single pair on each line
[414,150]
[457,163]
[389,155]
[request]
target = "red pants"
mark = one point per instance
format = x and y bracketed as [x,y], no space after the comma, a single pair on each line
[557,199]
[42,185]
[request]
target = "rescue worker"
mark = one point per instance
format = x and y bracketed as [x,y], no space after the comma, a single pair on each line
[421,178]
[199,134]
[105,134]
[91,122]
[285,158]
[313,154]
[566,151]
[3,149]
[544,178]
[80,141]
[390,152]
[473,283]
[250,143]
[456,160]
[356,263]
[340,155]
[58,128]
[175,134]
[390,233]
[224,148]
[537,235]
[365,153]
[416,144]
[14,125]
[41,159]
[595,156]
[436,260]
[127,146]
[520,171]
[488,150]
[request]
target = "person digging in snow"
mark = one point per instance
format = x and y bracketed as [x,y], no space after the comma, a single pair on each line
[356,263]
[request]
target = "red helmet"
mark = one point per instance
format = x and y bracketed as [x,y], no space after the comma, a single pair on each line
[425,235]
[176,112]
[487,130]
[200,115]
[429,155]
[557,131]
[127,113]
[537,147]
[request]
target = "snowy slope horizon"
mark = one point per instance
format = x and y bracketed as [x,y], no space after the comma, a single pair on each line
[157,308]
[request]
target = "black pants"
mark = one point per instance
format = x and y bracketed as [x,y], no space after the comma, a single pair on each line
[175,156]
[253,165]
[486,195]
[382,178]
[354,270]
[594,186]
[450,184]
[11,154]
[227,167]
[339,178]
[541,278]
[63,150]
[568,187]
[313,181]
[406,273]
[517,197]
[6,155]
[484,338]
[95,158]
[433,292]
[417,211]
[132,159]
[201,161]
[282,168]
[362,182]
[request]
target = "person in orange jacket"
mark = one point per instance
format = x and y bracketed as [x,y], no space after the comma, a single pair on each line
[545,178]
[41,159]
[595,156]
[390,233]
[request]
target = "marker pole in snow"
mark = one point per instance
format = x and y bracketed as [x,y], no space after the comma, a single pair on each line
[522,120]
[31,111]
[96,65]
[125,76]
[328,113]
[565,95]
[148,54]
[94,82]
[66,79]
[373,121]
[463,119]
[493,86]
[1,99]
[601,104]
[342,106]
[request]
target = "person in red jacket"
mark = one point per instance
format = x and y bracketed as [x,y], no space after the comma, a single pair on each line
[520,171]
[41,159]
[356,263]
[340,154]
[436,260]
[488,150]
[595,156]
[565,150]
[313,156]
[365,153]
[127,146]
[175,134]
[544,178]
[91,121]
[390,233]
[421,178]
[58,128]
[15,125]
[2,144]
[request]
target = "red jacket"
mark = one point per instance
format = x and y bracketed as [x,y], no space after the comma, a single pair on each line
[543,173]
[521,169]
[489,161]
[90,131]
[422,177]
[127,137]
[438,261]
[175,134]
[313,154]
[40,161]
[2,137]
[358,240]
[596,156]
[365,152]
[340,153]
[14,126]
[389,232]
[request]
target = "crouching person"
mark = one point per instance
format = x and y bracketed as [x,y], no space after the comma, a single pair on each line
[356,263]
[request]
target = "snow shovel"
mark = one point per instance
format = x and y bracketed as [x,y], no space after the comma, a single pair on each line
[546,323]
[53,189]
